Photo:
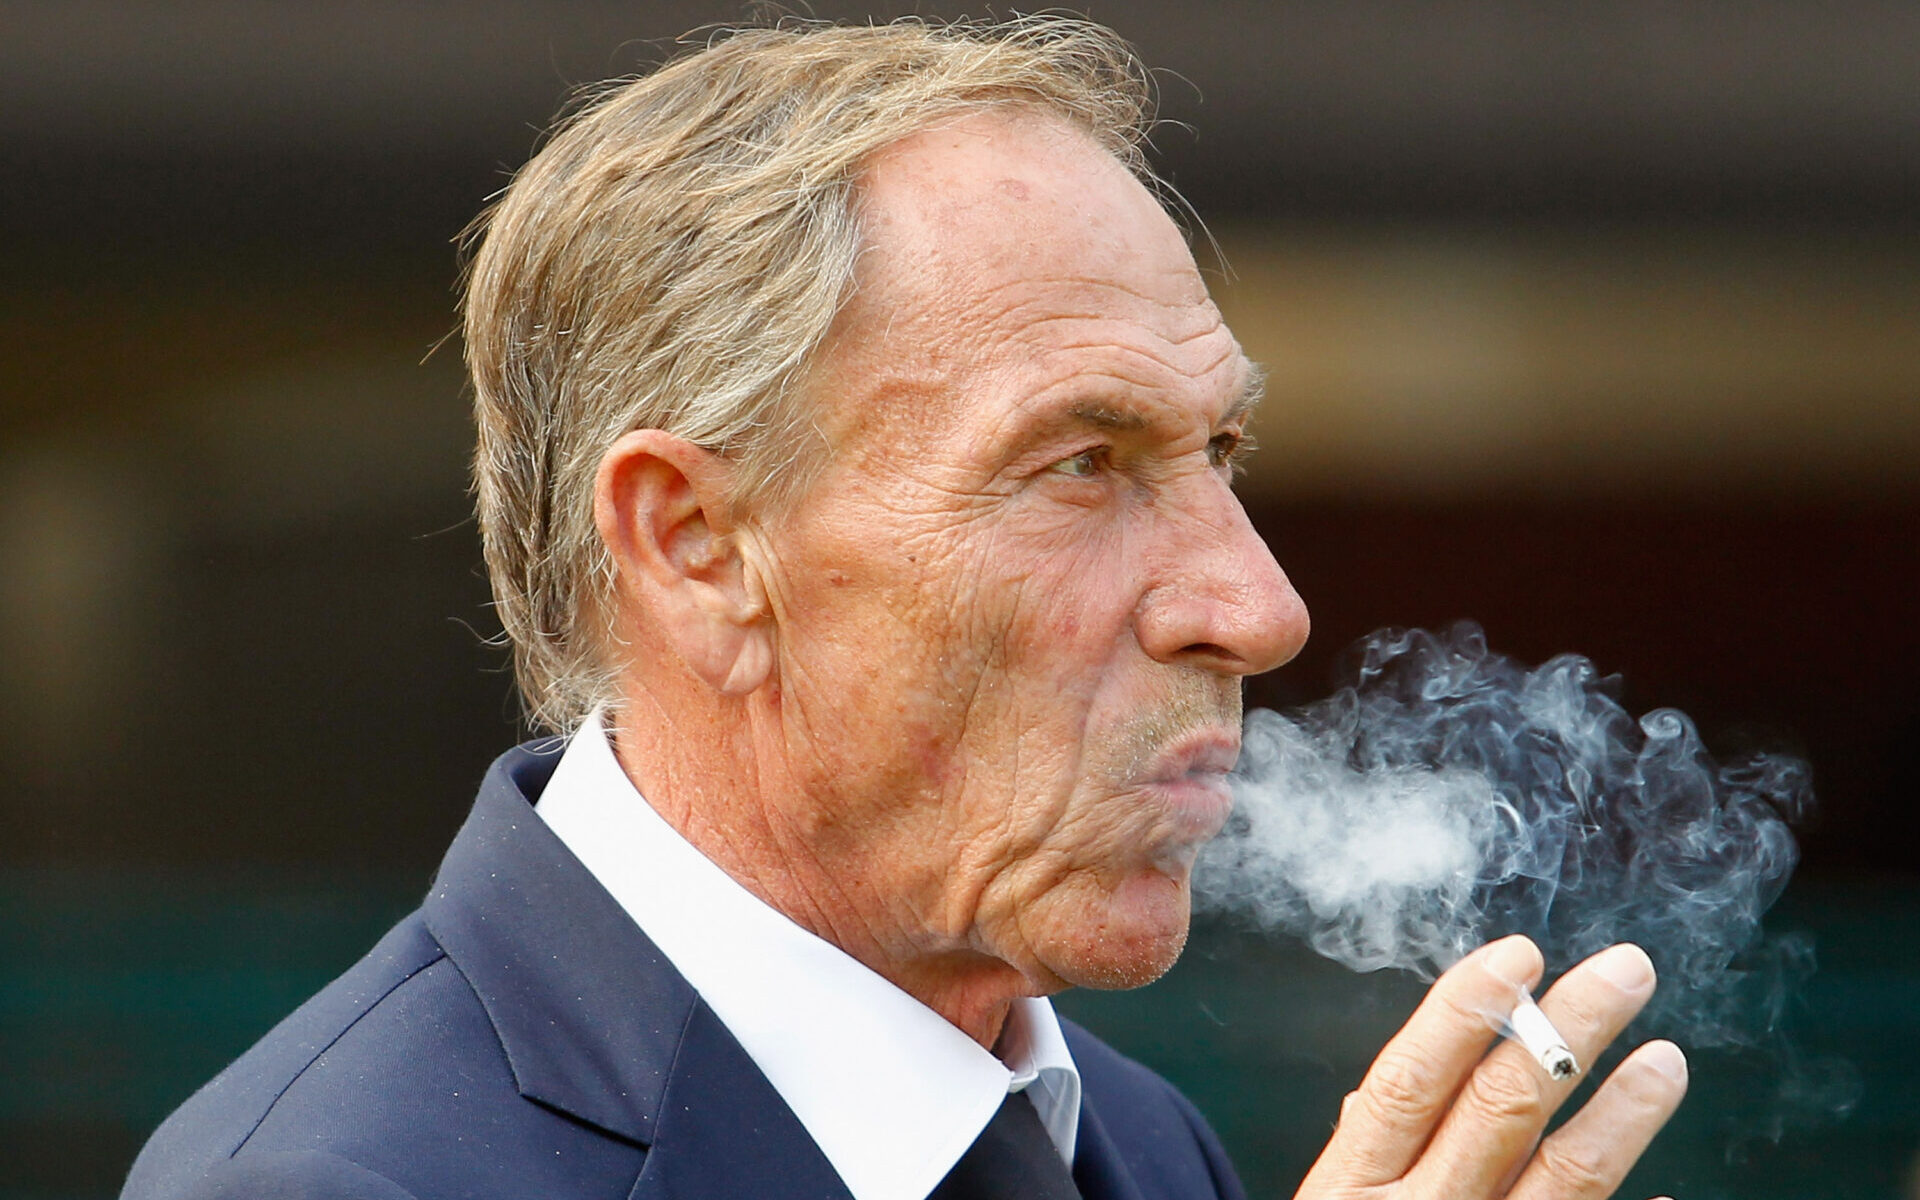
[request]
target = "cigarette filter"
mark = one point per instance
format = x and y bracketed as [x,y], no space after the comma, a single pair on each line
[1532,1030]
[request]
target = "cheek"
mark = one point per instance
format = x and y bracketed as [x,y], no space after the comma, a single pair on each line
[1043,658]
[1078,590]
[957,661]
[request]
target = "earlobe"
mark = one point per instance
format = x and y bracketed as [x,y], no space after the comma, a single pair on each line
[749,665]
[662,507]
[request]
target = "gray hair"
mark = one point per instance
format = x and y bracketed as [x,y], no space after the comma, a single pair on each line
[673,258]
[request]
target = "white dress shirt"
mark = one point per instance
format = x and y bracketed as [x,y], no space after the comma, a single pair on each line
[891,1092]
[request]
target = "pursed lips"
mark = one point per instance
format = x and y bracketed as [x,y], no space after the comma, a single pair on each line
[1191,774]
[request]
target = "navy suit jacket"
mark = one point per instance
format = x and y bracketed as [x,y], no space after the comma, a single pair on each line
[518,1037]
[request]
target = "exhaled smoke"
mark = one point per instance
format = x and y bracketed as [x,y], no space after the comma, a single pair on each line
[1449,795]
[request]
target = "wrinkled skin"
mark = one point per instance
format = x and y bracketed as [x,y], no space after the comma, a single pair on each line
[965,708]
[1015,612]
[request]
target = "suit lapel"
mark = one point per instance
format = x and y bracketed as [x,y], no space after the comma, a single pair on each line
[1098,1169]
[724,1133]
[584,1005]
[596,1023]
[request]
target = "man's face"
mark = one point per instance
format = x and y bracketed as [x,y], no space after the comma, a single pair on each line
[1014,611]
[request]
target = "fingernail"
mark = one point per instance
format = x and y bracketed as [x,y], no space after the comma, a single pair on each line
[1626,967]
[1665,1058]
[1513,960]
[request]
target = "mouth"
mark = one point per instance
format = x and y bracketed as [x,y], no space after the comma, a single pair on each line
[1190,777]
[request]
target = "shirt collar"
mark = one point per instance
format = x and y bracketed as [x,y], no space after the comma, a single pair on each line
[891,1092]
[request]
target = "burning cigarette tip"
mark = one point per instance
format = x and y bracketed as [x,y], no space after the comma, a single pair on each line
[1532,1030]
[1559,1062]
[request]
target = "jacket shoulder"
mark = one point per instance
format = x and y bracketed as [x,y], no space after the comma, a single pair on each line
[217,1120]
[1154,1132]
[393,1077]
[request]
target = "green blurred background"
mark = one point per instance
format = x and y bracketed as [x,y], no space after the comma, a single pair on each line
[1597,323]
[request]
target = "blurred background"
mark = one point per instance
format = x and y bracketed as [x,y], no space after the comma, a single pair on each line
[1598,323]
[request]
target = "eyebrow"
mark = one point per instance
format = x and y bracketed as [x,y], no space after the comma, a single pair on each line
[1252,392]
[1107,416]
[1128,420]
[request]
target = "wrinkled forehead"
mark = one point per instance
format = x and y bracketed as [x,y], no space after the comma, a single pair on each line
[1008,243]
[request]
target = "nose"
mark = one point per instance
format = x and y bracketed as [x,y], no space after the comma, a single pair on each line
[1219,600]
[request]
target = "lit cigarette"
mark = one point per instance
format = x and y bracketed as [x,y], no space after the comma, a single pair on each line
[1542,1040]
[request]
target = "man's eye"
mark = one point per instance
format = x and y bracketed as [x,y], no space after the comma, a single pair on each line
[1227,449]
[1081,465]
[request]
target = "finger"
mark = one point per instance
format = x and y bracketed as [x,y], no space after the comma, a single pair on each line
[1390,1117]
[1594,1150]
[1493,1126]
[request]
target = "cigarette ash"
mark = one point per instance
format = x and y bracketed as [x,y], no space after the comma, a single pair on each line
[1533,1030]
[1449,795]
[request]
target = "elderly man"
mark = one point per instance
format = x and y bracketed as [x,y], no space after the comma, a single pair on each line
[856,439]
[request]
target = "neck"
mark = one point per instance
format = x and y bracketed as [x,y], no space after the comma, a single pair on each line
[705,779]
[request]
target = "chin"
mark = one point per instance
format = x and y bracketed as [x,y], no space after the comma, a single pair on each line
[1122,938]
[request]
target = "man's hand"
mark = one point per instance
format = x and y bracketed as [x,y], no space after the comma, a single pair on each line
[1437,1116]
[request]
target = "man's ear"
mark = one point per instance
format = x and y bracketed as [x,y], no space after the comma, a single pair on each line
[661,504]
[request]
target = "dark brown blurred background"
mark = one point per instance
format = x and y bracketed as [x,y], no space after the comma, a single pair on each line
[1598,323]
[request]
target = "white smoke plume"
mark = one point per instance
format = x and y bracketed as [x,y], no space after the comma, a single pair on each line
[1449,795]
